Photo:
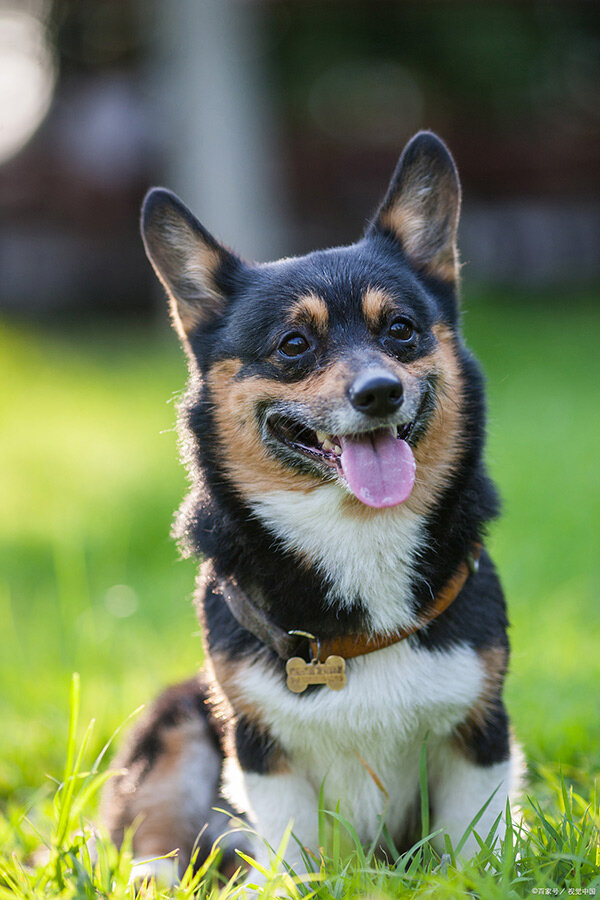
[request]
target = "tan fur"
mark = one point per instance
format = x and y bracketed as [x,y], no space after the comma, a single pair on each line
[376,304]
[412,227]
[425,221]
[156,802]
[251,467]
[202,269]
[439,450]
[188,259]
[311,310]
[226,694]
[495,661]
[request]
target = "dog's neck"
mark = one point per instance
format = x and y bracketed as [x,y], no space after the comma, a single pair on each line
[369,561]
[254,619]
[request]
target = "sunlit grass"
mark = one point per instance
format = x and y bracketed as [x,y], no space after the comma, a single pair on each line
[50,849]
[89,577]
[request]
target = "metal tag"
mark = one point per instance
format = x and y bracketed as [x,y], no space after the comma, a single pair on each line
[300,674]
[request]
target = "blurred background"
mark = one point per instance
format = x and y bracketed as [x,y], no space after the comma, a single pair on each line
[279,124]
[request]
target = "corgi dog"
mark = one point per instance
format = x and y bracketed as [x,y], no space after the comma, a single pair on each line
[333,429]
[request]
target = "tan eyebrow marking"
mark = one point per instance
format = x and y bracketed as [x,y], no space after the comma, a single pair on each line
[311,310]
[376,304]
[494,660]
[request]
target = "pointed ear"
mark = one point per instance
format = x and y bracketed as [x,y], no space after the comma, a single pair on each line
[422,205]
[187,259]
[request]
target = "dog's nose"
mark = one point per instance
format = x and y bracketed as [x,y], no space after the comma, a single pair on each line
[376,394]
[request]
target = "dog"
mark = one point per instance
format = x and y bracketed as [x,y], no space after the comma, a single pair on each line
[333,429]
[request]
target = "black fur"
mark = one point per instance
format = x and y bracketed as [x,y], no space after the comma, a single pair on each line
[176,704]
[489,743]
[215,522]
[256,751]
[227,310]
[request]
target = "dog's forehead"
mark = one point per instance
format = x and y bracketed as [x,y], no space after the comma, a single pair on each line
[341,284]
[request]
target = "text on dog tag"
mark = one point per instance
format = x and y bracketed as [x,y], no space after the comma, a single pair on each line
[300,674]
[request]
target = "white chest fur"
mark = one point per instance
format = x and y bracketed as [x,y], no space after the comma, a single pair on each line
[371,559]
[393,698]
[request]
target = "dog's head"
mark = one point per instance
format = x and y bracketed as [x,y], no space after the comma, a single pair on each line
[342,366]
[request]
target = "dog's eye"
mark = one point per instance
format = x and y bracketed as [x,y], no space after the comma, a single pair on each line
[401,329]
[294,344]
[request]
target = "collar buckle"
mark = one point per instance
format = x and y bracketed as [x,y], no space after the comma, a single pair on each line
[313,640]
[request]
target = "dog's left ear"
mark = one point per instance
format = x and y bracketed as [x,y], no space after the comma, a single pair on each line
[422,205]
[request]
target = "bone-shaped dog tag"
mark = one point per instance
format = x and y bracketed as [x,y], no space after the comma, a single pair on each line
[300,674]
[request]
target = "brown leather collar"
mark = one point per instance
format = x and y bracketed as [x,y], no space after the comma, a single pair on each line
[286,643]
[351,645]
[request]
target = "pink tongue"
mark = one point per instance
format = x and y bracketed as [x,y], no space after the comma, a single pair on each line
[379,468]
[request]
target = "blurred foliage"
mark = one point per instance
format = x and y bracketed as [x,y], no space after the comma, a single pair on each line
[505,65]
[91,35]
[500,63]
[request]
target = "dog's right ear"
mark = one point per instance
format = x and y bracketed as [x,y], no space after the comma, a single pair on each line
[421,207]
[188,260]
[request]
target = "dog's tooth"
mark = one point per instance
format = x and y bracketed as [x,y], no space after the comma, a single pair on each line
[327,445]
[337,449]
[321,437]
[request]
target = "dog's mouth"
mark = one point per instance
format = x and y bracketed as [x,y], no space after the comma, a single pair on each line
[377,466]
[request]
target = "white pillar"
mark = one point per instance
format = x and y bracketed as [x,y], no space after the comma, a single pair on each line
[212,105]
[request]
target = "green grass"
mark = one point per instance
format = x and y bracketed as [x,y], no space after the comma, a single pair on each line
[550,847]
[91,582]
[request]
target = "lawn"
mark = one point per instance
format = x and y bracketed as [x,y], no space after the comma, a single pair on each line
[91,582]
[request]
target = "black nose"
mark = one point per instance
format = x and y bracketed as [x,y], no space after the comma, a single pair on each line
[376,394]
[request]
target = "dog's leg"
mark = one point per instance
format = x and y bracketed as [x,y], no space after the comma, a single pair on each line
[172,764]
[483,764]
[262,782]
[274,802]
